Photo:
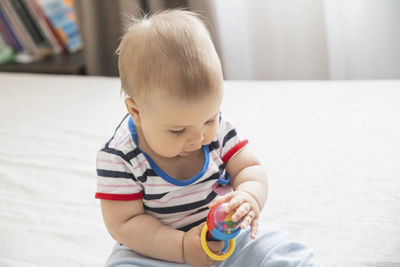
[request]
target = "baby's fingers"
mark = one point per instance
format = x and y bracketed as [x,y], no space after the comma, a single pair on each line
[241,211]
[254,229]
[219,200]
[216,246]
[248,220]
[235,202]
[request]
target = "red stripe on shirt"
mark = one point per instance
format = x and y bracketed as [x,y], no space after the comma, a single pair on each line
[234,150]
[121,197]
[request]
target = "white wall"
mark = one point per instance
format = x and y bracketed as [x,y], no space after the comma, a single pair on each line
[272,39]
[363,38]
[289,39]
[232,27]
[309,39]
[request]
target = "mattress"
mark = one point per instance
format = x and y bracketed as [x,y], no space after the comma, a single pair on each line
[331,150]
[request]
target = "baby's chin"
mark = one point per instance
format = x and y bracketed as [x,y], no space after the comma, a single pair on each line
[178,154]
[184,154]
[173,155]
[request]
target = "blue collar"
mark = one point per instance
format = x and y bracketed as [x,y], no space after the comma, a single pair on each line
[159,171]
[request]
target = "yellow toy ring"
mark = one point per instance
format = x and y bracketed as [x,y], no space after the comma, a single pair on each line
[209,252]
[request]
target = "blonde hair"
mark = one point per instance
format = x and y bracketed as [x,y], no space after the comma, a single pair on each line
[169,51]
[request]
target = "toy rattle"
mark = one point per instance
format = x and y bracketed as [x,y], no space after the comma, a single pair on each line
[220,226]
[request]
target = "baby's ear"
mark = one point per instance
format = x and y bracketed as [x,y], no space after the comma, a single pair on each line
[133,110]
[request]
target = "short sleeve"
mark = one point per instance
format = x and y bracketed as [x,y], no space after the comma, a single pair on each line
[228,140]
[115,180]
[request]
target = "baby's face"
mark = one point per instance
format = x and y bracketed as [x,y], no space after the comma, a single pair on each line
[173,127]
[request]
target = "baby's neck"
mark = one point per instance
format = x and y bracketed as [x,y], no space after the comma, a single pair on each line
[181,168]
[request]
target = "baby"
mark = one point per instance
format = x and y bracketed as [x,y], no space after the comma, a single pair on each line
[174,156]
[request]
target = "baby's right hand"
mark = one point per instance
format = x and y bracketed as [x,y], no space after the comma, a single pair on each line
[193,252]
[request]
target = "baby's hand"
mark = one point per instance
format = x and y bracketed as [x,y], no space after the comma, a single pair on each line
[245,207]
[193,252]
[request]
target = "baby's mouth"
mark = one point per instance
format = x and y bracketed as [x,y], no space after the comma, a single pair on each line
[187,152]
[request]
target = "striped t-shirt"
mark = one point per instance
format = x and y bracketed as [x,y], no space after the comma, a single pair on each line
[127,173]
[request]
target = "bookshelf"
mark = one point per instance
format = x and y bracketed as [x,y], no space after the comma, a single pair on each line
[40,36]
[54,64]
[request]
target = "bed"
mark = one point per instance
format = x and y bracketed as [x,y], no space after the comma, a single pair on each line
[331,150]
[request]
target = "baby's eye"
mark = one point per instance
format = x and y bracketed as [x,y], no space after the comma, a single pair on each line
[177,132]
[210,121]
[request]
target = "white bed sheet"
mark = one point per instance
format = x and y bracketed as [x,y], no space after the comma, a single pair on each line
[331,150]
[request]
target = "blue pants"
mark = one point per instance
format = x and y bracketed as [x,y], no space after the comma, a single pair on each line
[271,248]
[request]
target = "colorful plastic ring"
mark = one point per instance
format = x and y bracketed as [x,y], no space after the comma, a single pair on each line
[209,252]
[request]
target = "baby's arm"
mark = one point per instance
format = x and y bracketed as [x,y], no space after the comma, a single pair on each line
[128,224]
[250,185]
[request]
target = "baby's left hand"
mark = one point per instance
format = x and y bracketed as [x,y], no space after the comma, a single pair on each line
[246,207]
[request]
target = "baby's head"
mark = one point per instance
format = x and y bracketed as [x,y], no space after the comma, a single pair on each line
[172,77]
[169,53]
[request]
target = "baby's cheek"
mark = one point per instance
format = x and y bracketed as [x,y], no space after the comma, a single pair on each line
[210,136]
[170,149]
[174,146]
[163,147]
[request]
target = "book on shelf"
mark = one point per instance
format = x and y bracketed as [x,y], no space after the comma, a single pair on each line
[6,52]
[35,29]
[61,14]
[8,34]
[56,43]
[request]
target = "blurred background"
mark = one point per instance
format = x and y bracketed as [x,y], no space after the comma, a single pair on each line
[256,39]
